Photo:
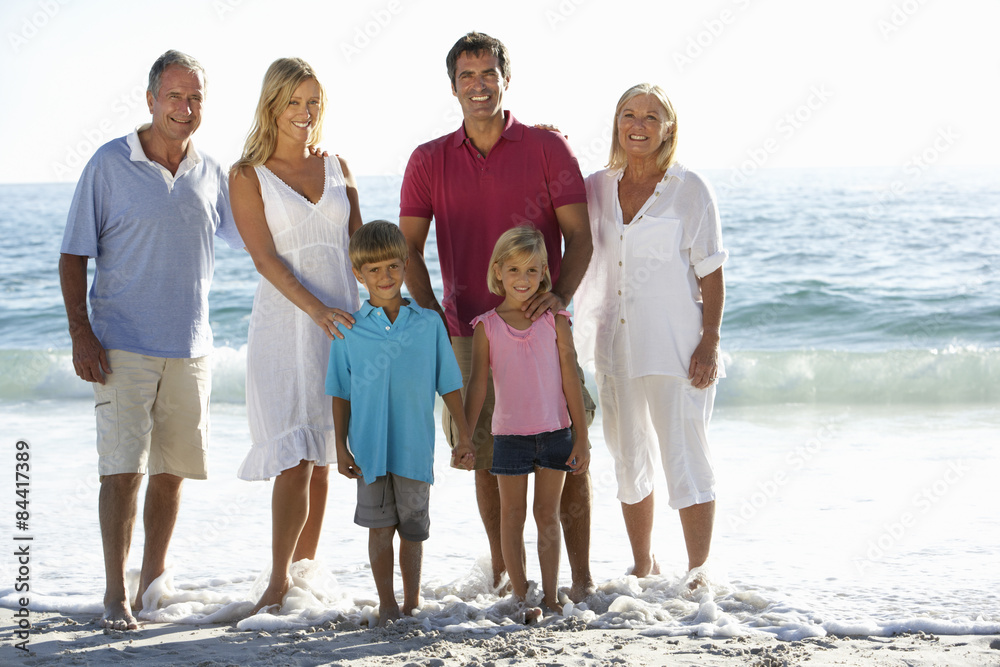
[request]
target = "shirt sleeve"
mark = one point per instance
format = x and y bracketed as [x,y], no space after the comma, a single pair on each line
[226,230]
[449,377]
[338,370]
[415,199]
[86,213]
[707,253]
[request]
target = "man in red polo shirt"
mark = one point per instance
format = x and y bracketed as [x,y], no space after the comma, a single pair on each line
[490,175]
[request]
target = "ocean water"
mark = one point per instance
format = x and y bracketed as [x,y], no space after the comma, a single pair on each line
[855,437]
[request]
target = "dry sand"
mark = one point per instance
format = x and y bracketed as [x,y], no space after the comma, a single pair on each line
[78,640]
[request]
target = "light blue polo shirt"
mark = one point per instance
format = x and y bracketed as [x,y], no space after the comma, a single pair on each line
[152,234]
[390,371]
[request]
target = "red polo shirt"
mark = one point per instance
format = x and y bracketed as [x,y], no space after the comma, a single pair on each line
[527,175]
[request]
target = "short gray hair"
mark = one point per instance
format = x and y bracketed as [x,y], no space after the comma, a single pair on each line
[169,58]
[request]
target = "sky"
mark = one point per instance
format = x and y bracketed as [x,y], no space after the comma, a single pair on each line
[757,84]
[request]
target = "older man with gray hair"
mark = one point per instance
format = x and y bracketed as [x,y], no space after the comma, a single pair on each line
[147,208]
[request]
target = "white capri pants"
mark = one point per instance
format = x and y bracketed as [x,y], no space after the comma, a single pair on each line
[658,416]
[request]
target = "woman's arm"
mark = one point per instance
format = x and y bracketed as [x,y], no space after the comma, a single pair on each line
[354,221]
[248,211]
[704,366]
[579,459]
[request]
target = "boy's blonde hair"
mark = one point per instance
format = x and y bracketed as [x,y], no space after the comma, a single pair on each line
[523,241]
[377,241]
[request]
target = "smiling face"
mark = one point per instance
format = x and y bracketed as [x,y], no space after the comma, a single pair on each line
[479,85]
[520,276]
[299,120]
[643,127]
[383,280]
[177,106]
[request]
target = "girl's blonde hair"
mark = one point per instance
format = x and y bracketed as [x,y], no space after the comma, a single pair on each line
[665,157]
[282,78]
[523,241]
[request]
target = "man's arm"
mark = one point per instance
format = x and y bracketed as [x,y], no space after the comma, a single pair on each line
[89,357]
[574,223]
[418,279]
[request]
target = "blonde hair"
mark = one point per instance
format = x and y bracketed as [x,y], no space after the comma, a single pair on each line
[522,241]
[665,158]
[282,78]
[377,241]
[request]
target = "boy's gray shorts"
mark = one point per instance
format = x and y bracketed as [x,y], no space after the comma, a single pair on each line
[395,501]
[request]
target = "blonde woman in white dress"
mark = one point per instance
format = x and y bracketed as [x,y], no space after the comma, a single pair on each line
[295,212]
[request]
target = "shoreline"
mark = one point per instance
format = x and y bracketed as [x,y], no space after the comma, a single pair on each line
[77,638]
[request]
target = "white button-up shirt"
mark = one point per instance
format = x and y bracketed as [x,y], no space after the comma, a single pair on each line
[638,310]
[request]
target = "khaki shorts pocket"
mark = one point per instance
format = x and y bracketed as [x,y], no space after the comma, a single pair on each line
[106,410]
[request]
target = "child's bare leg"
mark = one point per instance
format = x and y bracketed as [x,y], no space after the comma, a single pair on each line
[513,509]
[289,509]
[309,537]
[411,556]
[548,489]
[380,553]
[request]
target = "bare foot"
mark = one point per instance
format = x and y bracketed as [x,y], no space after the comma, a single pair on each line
[118,616]
[387,614]
[699,580]
[646,567]
[273,595]
[531,615]
[409,609]
[553,605]
[581,590]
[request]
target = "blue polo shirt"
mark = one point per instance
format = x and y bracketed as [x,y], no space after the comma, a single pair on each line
[390,371]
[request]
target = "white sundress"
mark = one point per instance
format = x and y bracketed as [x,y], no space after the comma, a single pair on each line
[290,415]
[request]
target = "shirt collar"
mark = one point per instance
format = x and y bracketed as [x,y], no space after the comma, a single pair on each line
[367,308]
[675,169]
[139,155]
[512,130]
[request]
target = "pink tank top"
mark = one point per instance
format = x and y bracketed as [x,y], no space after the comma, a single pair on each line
[527,378]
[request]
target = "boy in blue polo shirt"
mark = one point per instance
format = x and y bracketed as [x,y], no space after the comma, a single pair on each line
[383,376]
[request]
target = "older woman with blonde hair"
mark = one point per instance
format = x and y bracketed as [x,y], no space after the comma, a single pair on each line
[295,211]
[648,315]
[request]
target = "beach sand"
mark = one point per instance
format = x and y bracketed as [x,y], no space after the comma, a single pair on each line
[78,640]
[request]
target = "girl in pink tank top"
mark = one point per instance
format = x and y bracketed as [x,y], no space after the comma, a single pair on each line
[538,398]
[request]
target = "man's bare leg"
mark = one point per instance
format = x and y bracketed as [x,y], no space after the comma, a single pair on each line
[488,497]
[308,542]
[159,516]
[639,525]
[697,522]
[117,508]
[380,554]
[289,509]
[575,509]
[411,558]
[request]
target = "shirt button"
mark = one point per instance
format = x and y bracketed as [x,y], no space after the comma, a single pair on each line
[619,263]
[619,292]
[387,328]
[623,321]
